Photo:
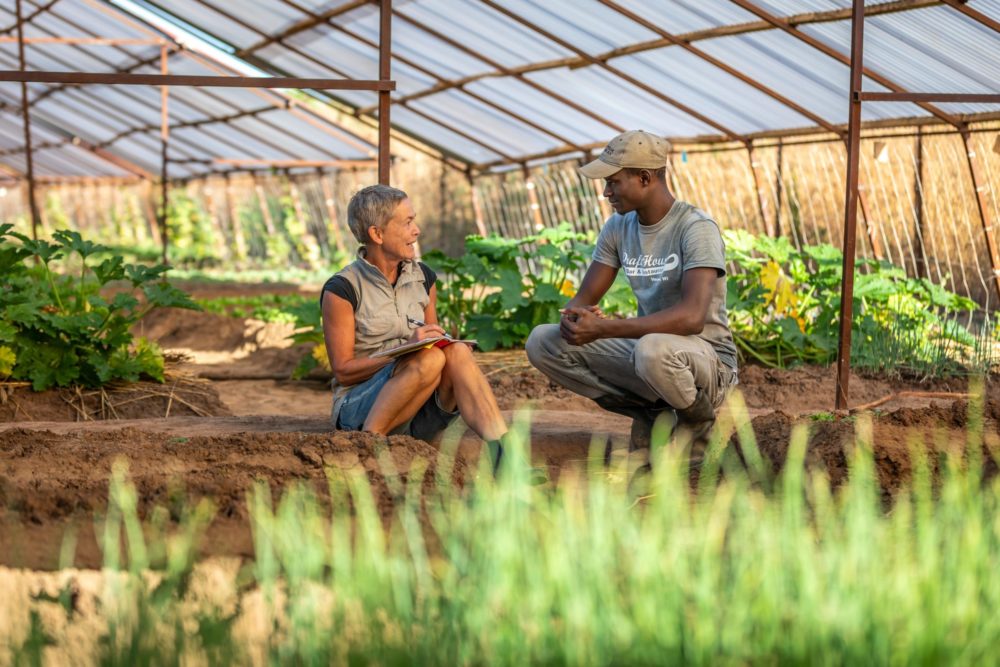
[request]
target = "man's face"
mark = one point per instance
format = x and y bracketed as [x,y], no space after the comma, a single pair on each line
[624,191]
[401,232]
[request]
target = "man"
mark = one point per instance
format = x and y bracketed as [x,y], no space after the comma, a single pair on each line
[381,300]
[677,359]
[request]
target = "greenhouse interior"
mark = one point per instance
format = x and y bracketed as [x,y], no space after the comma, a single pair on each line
[234,431]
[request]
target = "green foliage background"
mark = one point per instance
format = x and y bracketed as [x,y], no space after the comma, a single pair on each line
[61,329]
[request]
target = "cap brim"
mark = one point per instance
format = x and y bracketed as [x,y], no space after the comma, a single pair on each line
[598,169]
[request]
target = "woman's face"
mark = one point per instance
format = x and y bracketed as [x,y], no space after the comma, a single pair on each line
[400,233]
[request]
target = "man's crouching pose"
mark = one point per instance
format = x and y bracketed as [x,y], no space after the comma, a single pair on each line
[381,300]
[677,358]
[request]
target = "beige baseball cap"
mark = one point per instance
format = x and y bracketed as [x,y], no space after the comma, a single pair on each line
[635,149]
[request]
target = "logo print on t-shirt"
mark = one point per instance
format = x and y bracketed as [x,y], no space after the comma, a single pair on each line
[649,266]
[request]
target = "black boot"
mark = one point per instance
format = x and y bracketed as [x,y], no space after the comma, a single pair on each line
[697,419]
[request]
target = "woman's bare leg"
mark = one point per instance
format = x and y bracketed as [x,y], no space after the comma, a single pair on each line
[464,386]
[417,376]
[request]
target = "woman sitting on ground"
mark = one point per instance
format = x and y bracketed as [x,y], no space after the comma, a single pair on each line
[381,300]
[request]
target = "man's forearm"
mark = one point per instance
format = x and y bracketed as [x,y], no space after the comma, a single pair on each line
[672,321]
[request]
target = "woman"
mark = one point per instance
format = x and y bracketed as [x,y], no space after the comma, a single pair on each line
[381,300]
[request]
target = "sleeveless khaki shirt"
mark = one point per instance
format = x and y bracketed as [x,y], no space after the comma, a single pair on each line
[380,319]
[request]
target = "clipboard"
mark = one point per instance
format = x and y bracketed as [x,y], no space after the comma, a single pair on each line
[406,348]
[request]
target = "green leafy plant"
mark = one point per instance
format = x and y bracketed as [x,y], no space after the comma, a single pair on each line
[500,289]
[784,308]
[62,330]
[280,308]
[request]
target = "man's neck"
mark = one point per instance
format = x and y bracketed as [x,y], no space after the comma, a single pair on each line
[658,207]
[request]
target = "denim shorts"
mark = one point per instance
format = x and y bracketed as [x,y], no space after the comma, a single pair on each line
[430,419]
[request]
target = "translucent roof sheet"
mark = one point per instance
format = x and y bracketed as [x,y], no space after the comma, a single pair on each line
[494,82]
[212,129]
[567,74]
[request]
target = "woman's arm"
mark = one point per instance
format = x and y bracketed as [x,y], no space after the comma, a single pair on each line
[338,332]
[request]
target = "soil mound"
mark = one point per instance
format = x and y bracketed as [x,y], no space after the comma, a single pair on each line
[52,481]
[935,427]
[179,396]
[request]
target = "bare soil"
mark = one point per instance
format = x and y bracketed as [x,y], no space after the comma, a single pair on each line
[231,418]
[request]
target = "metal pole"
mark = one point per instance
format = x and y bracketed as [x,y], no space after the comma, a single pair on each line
[981,188]
[32,203]
[384,100]
[851,205]
[164,141]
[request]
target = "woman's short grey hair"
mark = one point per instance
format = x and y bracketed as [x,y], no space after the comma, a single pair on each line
[373,205]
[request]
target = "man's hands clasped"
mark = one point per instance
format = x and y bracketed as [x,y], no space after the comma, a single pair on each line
[580,325]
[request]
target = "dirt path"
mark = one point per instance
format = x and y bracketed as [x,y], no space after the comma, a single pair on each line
[262,427]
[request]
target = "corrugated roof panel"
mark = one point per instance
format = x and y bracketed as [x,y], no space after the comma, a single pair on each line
[541,108]
[207,19]
[799,72]
[355,59]
[416,45]
[500,132]
[605,95]
[932,50]
[683,16]
[596,29]
[711,91]
[436,135]
[493,35]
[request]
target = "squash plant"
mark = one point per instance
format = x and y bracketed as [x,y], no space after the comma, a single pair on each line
[500,289]
[59,330]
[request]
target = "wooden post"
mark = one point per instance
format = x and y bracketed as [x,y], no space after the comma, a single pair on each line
[26,119]
[331,211]
[873,239]
[477,204]
[536,208]
[778,185]
[760,191]
[164,140]
[221,246]
[234,220]
[265,210]
[981,188]
[918,203]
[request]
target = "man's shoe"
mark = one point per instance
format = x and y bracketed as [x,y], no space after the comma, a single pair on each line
[696,421]
[643,424]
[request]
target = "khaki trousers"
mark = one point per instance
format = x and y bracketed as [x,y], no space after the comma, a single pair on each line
[655,367]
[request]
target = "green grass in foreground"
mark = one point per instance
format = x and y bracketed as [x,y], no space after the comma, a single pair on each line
[749,570]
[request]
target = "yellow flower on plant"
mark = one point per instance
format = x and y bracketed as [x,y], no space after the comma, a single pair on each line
[7,360]
[567,289]
[781,292]
[319,354]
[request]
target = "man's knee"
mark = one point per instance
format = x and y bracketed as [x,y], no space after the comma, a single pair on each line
[543,343]
[658,358]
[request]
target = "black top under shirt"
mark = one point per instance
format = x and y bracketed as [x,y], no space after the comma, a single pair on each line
[339,286]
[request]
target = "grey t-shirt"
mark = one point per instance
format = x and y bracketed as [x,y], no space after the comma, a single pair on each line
[655,257]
